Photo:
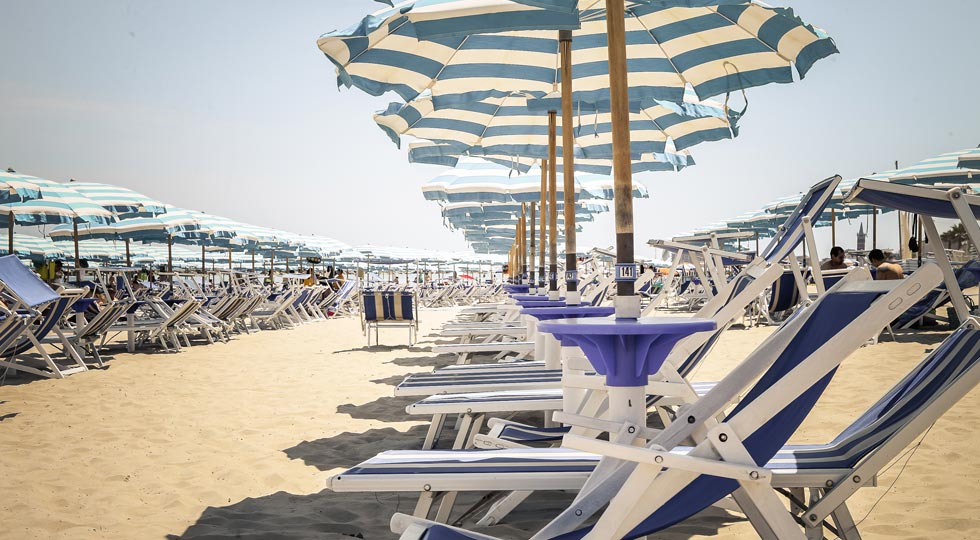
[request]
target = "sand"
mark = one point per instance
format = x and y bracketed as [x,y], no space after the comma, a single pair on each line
[237,440]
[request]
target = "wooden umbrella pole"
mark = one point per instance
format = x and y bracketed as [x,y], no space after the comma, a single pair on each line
[531,281]
[544,223]
[10,233]
[253,260]
[204,260]
[170,256]
[520,242]
[74,235]
[128,258]
[229,259]
[627,305]
[572,295]
[552,205]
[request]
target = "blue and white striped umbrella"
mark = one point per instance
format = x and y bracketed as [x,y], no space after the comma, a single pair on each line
[941,169]
[971,159]
[34,248]
[478,180]
[431,153]
[119,199]
[509,126]
[58,203]
[18,187]
[714,49]
[175,224]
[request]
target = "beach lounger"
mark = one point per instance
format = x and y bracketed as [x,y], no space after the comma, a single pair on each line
[638,490]
[389,309]
[36,311]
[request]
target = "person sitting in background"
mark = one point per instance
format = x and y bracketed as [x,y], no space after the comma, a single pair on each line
[884,270]
[836,260]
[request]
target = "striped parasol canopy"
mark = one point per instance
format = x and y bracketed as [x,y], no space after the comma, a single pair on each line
[970,160]
[517,125]
[431,153]
[57,203]
[714,49]
[17,187]
[942,169]
[119,199]
[35,248]
[478,180]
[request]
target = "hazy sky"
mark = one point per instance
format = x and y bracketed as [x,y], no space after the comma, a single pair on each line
[227,106]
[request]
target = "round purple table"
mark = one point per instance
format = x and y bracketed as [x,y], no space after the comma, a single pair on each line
[531,297]
[626,351]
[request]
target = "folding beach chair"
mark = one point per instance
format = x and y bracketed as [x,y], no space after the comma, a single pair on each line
[929,203]
[639,490]
[967,276]
[390,309]
[36,311]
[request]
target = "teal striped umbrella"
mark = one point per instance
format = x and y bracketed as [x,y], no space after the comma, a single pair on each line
[17,187]
[512,125]
[119,199]
[942,169]
[712,48]
[971,159]
[35,248]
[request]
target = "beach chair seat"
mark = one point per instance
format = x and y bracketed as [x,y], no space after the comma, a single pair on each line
[389,309]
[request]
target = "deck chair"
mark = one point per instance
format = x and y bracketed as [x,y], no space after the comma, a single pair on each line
[928,203]
[639,490]
[37,311]
[389,309]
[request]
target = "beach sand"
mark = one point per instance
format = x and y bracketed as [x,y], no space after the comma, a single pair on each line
[237,440]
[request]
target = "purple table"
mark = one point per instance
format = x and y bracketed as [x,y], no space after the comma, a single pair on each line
[545,304]
[514,288]
[531,297]
[626,352]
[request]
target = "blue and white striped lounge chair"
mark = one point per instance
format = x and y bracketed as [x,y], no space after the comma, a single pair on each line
[928,203]
[394,309]
[640,490]
[36,310]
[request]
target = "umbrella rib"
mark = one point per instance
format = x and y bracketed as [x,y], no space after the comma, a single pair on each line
[658,44]
[446,64]
[366,49]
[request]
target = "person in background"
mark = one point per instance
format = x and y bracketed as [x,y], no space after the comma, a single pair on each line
[884,270]
[836,261]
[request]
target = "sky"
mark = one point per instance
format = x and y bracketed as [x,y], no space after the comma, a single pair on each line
[228,107]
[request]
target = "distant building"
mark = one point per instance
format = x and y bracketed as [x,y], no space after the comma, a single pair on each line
[862,236]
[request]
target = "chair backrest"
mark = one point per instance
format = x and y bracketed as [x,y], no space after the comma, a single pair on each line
[790,233]
[388,306]
[784,294]
[26,286]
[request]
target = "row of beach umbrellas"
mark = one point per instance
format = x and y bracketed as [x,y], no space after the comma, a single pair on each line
[956,168]
[627,85]
[85,220]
